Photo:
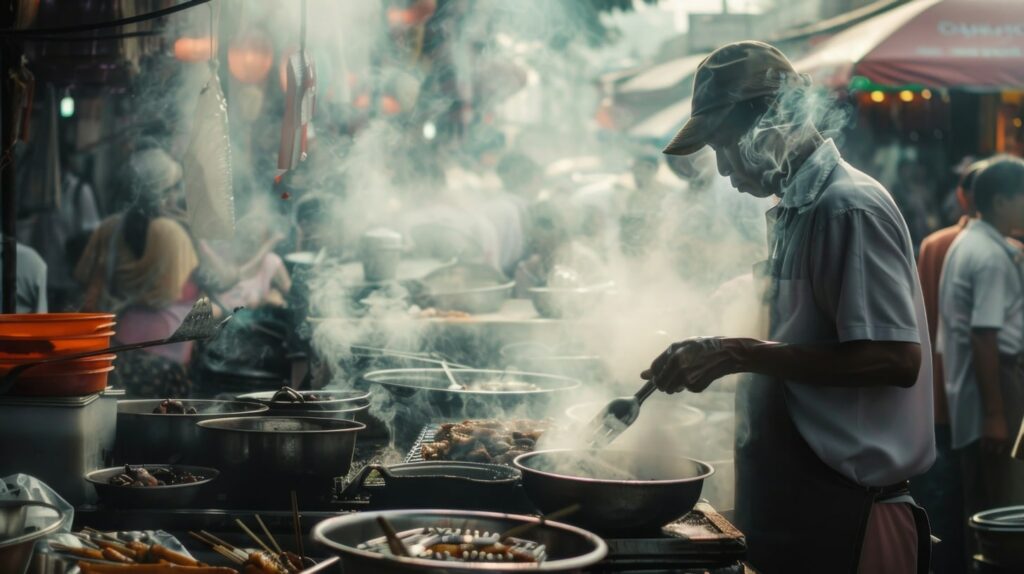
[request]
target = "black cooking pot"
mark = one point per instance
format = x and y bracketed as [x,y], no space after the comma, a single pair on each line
[1000,536]
[619,492]
[450,484]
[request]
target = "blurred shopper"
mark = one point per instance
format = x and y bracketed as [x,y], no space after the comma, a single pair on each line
[140,264]
[940,490]
[981,334]
[912,194]
[59,234]
[507,209]
[838,414]
[30,285]
[554,257]
[640,224]
[263,281]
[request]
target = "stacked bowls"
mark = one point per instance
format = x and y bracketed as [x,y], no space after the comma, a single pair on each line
[26,338]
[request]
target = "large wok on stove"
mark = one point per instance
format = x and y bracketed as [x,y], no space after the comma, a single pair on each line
[428,396]
[620,492]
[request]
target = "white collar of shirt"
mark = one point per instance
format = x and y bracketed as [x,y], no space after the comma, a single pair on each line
[800,190]
[986,228]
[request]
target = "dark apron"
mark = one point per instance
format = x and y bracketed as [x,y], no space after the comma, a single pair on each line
[797,513]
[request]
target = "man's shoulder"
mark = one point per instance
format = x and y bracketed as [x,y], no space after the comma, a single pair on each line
[849,190]
[973,250]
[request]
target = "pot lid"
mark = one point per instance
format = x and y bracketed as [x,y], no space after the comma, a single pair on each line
[1010,518]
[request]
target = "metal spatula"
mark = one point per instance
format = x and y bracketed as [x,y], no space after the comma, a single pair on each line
[199,323]
[617,415]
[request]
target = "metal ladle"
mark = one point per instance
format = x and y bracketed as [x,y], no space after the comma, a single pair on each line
[199,323]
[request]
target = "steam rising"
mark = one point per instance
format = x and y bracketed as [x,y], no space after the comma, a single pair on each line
[532,89]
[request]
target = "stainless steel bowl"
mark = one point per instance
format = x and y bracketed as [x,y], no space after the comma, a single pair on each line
[168,496]
[18,536]
[569,549]
[143,435]
[568,302]
[425,395]
[281,450]
[472,288]
[619,491]
[1000,536]
[340,400]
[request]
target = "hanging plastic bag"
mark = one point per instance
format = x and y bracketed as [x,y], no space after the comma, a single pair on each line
[207,166]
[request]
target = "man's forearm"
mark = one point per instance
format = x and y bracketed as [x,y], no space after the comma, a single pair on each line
[985,355]
[853,364]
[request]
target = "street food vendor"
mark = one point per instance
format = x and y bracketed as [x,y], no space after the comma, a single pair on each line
[836,414]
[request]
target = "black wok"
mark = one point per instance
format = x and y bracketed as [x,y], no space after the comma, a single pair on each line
[621,493]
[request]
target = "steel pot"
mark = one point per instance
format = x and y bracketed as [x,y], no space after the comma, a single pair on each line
[619,492]
[144,436]
[569,549]
[1000,536]
[281,450]
[168,496]
[17,539]
[568,302]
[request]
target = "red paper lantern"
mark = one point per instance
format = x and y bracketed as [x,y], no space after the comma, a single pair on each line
[189,49]
[250,58]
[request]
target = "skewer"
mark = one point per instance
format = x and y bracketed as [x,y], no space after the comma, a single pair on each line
[518,530]
[228,554]
[252,535]
[298,527]
[214,541]
[394,542]
[270,536]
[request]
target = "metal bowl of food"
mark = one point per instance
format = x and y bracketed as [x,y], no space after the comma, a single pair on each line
[476,393]
[151,485]
[281,450]
[618,491]
[471,288]
[148,430]
[22,524]
[546,547]
[568,302]
[539,358]
[289,401]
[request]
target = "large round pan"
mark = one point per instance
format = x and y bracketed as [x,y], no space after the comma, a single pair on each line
[143,435]
[528,394]
[569,549]
[619,492]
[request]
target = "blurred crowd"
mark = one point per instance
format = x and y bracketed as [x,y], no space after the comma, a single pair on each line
[565,225]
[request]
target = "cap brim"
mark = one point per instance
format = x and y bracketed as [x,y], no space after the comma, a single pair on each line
[697,131]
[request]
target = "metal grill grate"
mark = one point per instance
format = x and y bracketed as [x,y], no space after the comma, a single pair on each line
[426,435]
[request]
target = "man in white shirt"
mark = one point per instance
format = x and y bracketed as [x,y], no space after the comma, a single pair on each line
[838,413]
[981,335]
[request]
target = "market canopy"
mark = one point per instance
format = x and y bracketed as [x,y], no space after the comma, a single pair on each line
[975,44]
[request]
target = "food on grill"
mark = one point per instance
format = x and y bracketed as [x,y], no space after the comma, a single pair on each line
[136,568]
[503,386]
[461,545]
[290,395]
[488,441]
[153,476]
[173,407]
[434,313]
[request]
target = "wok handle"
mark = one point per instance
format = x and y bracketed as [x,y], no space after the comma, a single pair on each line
[357,485]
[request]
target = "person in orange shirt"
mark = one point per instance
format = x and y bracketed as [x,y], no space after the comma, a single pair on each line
[940,490]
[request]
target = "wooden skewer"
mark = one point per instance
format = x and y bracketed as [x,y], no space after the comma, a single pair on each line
[298,527]
[270,536]
[252,535]
[394,542]
[215,542]
[228,554]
